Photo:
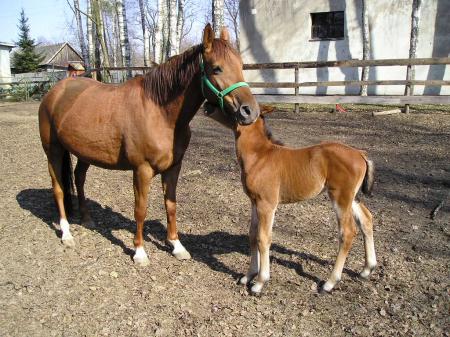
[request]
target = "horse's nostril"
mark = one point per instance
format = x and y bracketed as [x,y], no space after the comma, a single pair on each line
[245,111]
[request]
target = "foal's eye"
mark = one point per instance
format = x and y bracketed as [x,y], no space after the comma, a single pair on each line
[217,70]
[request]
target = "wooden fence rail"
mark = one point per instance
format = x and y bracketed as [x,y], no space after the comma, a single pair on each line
[296,98]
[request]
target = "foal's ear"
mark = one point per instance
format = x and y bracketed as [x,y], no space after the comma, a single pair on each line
[224,34]
[208,37]
[266,109]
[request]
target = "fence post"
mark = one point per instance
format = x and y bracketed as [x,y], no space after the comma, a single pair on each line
[296,88]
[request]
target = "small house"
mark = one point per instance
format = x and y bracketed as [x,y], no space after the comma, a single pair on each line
[5,62]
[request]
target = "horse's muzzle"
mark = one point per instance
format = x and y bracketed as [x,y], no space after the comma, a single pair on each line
[246,114]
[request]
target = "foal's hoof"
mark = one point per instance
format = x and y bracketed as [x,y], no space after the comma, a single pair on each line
[255,290]
[141,261]
[182,255]
[68,242]
[326,288]
[366,272]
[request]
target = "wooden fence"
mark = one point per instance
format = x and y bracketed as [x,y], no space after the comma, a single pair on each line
[296,98]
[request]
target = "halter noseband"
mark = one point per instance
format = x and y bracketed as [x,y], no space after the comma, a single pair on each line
[219,94]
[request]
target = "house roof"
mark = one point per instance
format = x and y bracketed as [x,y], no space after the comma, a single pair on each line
[6,44]
[49,52]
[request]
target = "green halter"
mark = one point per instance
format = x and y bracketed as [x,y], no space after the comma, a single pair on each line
[219,94]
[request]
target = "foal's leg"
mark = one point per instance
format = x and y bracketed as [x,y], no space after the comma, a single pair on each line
[254,259]
[363,218]
[266,214]
[55,169]
[347,233]
[169,182]
[80,178]
[141,183]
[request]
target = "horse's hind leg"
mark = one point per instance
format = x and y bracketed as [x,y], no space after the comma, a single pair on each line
[363,218]
[55,167]
[254,259]
[80,178]
[169,183]
[347,233]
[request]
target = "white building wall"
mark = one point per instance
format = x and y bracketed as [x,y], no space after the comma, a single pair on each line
[280,31]
[5,64]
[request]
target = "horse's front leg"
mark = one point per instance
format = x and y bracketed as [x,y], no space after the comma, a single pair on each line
[141,183]
[254,259]
[169,182]
[266,214]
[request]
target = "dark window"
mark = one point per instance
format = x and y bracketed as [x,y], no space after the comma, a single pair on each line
[327,25]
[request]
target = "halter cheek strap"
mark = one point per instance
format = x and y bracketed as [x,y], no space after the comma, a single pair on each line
[219,94]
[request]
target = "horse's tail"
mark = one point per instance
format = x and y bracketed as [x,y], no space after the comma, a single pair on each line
[67,181]
[369,177]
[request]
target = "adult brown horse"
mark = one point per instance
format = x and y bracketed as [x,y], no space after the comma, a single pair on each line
[141,125]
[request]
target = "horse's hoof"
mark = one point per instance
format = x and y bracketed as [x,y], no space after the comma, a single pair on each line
[68,242]
[255,290]
[141,261]
[365,274]
[243,280]
[182,255]
[326,288]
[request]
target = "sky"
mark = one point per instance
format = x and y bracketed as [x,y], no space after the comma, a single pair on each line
[48,19]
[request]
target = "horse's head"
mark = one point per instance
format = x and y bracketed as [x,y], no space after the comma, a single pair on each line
[222,78]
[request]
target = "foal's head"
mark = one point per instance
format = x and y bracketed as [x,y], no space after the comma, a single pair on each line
[223,70]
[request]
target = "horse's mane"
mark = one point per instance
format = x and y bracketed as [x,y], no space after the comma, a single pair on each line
[269,134]
[167,80]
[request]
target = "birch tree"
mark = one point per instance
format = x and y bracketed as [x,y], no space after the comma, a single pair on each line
[217,16]
[97,17]
[415,18]
[145,31]
[180,24]
[84,52]
[366,46]
[123,36]
[90,36]
[172,18]
[160,31]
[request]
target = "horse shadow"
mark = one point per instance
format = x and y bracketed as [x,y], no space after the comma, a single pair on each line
[204,248]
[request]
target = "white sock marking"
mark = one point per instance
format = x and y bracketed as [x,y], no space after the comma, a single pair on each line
[177,246]
[140,254]
[65,228]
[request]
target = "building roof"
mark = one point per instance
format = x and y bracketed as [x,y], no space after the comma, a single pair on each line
[49,52]
[6,44]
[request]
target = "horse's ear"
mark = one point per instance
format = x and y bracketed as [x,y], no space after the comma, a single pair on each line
[266,109]
[208,37]
[224,34]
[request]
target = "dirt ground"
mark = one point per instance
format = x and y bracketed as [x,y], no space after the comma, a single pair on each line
[95,290]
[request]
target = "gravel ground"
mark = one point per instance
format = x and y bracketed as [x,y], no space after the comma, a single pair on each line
[95,290]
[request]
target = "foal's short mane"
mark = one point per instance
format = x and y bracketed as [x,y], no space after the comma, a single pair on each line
[167,80]
[269,134]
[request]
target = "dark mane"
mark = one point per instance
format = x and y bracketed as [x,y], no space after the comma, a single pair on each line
[269,134]
[167,80]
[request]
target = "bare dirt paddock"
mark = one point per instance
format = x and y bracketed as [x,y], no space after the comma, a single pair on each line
[95,290]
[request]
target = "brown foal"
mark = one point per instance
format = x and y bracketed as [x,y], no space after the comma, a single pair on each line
[273,174]
[141,125]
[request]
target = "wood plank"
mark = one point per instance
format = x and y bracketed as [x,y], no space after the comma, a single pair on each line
[349,63]
[345,83]
[388,100]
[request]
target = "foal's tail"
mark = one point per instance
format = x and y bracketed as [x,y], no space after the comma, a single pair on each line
[67,181]
[369,177]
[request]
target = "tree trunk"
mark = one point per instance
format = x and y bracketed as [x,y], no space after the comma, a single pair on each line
[90,35]
[159,32]
[123,36]
[232,7]
[217,16]
[84,52]
[145,32]
[180,24]
[366,46]
[172,41]
[99,33]
[410,75]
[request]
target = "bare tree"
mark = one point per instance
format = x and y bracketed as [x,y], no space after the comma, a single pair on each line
[123,36]
[96,14]
[366,46]
[172,18]
[160,31]
[90,34]
[410,75]
[232,8]
[81,39]
[180,24]
[145,31]
[217,16]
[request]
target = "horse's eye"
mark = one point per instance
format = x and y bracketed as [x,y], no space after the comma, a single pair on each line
[217,70]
